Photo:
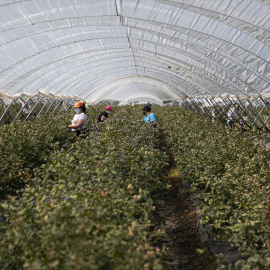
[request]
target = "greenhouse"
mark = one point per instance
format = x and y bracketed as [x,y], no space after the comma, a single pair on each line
[186,185]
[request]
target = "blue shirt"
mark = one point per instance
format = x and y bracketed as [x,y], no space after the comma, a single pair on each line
[150,118]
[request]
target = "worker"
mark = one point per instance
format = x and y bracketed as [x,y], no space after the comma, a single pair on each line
[149,118]
[78,123]
[232,115]
[104,115]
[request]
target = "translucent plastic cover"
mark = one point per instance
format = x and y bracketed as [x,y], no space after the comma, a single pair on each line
[132,50]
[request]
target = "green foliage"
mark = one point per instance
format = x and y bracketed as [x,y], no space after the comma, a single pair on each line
[25,145]
[90,205]
[230,175]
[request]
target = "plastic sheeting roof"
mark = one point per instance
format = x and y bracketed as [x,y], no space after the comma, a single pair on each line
[135,49]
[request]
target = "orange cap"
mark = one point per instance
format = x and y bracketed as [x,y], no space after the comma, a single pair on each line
[78,104]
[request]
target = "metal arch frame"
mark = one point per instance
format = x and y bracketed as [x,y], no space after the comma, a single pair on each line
[185,5]
[207,78]
[122,20]
[199,73]
[211,79]
[212,48]
[150,99]
[158,84]
[128,74]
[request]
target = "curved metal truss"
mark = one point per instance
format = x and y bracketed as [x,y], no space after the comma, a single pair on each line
[135,50]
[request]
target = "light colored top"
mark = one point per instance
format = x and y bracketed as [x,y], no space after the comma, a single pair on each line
[232,114]
[77,117]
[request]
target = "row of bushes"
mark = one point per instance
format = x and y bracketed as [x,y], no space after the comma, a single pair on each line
[25,145]
[231,176]
[90,205]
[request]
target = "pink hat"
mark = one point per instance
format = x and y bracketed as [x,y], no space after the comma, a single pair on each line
[109,108]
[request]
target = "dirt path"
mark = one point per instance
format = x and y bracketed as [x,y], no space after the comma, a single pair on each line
[181,232]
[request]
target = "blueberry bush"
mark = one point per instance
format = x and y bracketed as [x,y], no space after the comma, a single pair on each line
[25,145]
[90,205]
[230,175]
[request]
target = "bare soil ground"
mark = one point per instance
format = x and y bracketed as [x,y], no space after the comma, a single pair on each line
[181,236]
